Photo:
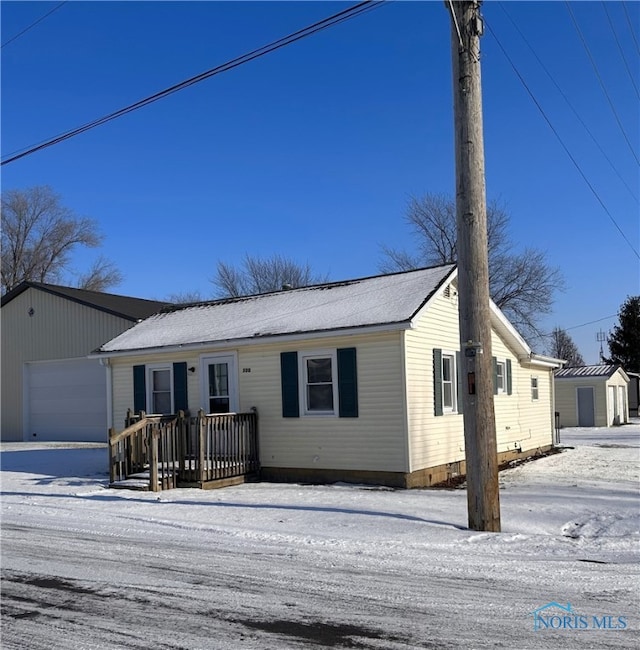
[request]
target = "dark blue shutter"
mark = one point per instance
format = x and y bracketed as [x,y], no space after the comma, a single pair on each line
[437,381]
[509,378]
[289,383]
[180,401]
[460,377]
[347,383]
[139,389]
[495,375]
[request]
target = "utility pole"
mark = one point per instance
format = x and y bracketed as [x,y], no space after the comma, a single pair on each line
[483,500]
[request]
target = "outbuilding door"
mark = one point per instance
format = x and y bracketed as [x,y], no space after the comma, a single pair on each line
[586,406]
[65,400]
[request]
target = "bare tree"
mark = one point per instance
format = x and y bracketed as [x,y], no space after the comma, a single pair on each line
[101,275]
[184,297]
[521,284]
[261,275]
[38,236]
[563,347]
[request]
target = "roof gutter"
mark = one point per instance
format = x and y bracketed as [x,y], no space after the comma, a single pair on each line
[545,362]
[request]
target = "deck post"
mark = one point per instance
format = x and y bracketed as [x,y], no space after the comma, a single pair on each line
[153,464]
[255,447]
[112,466]
[201,439]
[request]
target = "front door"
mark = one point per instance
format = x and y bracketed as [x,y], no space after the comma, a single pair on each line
[220,381]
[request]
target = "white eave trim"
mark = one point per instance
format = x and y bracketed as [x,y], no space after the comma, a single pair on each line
[445,282]
[544,362]
[261,340]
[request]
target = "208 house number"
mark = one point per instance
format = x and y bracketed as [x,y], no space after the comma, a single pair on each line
[246,370]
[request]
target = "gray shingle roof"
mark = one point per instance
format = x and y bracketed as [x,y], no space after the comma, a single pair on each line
[381,300]
[133,309]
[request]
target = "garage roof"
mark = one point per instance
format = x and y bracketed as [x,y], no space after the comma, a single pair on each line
[133,309]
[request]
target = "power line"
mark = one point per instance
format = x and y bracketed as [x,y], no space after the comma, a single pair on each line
[591,322]
[335,19]
[597,73]
[560,140]
[26,29]
[624,58]
[630,23]
[569,104]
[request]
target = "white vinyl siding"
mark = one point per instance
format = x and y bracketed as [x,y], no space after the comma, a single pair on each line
[376,440]
[439,440]
[433,440]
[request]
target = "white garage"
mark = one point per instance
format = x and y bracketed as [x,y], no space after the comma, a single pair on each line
[66,400]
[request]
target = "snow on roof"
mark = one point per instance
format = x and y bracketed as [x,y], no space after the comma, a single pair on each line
[602,370]
[378,300]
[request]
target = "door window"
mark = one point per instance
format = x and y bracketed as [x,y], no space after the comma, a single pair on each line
[219,388]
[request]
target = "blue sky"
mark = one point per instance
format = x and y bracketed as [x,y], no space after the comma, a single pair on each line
[313,151]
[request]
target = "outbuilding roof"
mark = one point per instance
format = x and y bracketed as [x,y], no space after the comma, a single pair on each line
[383,300]
[601,370]
[127,307]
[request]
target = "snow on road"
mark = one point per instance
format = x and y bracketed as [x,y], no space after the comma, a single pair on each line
[267,566]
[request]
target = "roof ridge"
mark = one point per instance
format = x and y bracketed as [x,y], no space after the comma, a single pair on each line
[309,287]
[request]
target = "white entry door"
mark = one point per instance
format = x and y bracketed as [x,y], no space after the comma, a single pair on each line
[220,384]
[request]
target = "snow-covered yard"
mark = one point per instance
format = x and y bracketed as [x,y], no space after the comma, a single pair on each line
[266,566]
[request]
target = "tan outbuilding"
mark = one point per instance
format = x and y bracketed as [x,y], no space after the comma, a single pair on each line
[592,396]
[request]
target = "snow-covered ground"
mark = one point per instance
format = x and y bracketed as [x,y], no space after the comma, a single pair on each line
[266,566]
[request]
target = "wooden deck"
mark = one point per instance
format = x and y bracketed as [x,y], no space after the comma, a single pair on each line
[161,452]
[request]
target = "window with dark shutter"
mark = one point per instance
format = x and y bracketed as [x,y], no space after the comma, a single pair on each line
[180,399]
[139,389]
[347,383]
[437,382]
[289,384]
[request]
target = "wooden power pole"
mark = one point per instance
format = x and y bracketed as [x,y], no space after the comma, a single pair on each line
[483,500]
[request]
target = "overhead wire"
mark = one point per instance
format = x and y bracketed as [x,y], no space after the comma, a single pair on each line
[335,19]
[33,24]
[569,104]
[560,140]
[600,80]
[622,54]
[630,23]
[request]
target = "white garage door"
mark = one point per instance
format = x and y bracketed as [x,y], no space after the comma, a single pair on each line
[66,400]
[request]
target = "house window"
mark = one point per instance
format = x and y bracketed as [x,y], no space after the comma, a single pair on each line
[319,383]
[500,376]
[448,382]
[160,396]
[534,388]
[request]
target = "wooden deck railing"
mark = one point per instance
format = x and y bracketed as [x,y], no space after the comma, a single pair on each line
[176,450]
